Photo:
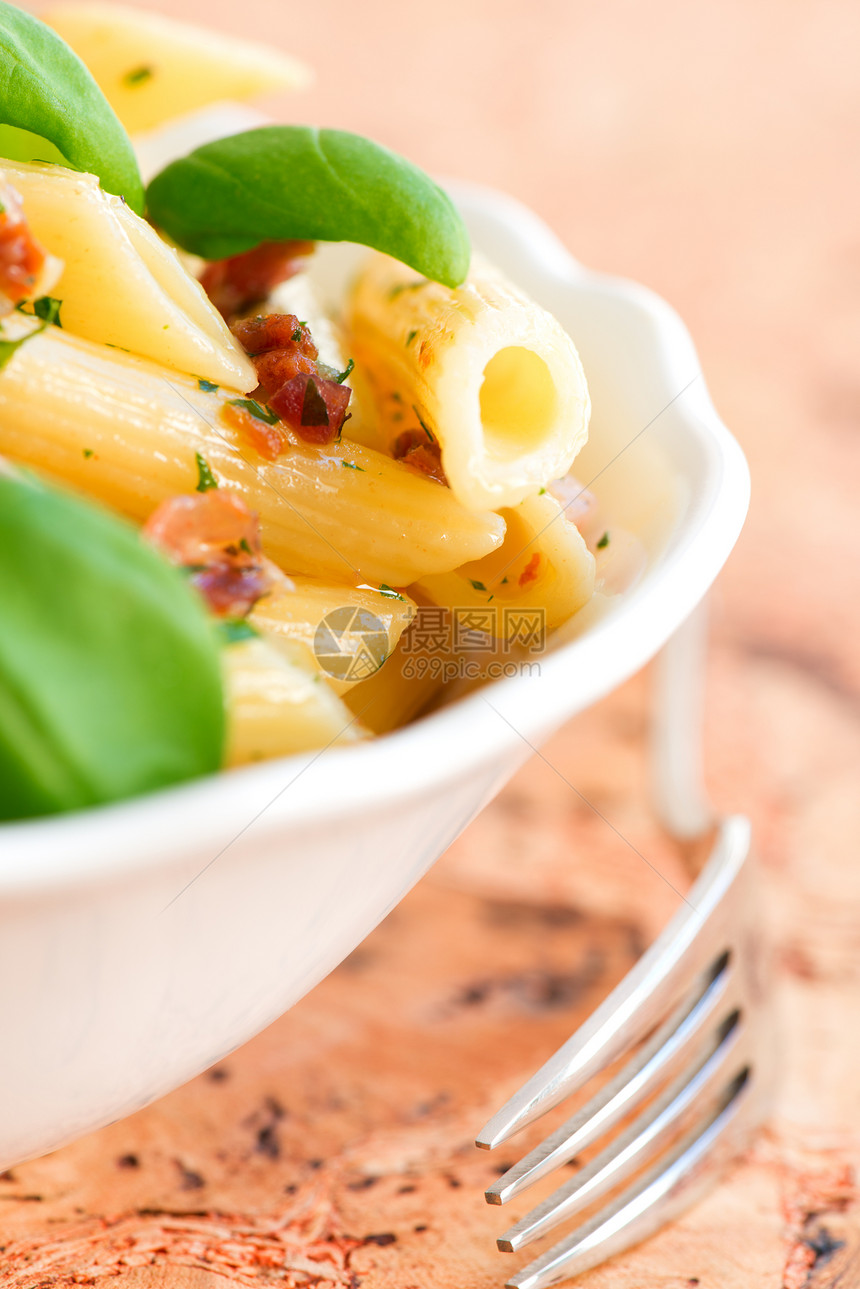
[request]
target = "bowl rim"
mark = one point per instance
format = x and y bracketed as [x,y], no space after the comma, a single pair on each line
[54,852]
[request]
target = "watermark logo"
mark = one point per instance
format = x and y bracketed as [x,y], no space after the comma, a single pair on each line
[473,643]
[351,643]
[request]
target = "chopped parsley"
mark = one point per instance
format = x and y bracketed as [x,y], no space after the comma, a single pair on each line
[350,465]
[235,630]
[208,386]
[8,348]
[48,309]
[244,546]
[423,425]
[314,410]
[253,408]
[604,542]
[88,452]
[138,76]
[477,586]
[410,338]
[406,286]
[341,376]
[542,492]
[390,593]
[205,477]
[297,334]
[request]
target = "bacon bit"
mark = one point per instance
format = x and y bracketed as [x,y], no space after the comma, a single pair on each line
[313,407]
[413,448]
[276,368]
[238,283]
[580,507]
[290,376]
[22,259]
[268,440]
[530,572]
[217,537]
[231,592]
[267,331]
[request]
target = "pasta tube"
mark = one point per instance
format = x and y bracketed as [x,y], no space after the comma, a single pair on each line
[277,706]
[543,567]
[121,284]
[151,68]
[492,377]
[346,630]
[392,697]
[129,433]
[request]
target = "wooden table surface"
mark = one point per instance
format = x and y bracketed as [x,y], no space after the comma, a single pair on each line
[711,152]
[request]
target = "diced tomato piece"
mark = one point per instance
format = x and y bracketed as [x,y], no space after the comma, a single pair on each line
[21,257]
[197,527]
[278,366]
[216,537]
[231,592]
[268,440]
[413,448]
[530,572]
[241,281]
[261,334]
[313,407]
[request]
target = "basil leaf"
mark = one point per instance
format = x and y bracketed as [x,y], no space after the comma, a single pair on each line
[109,669]
[292,181]
[23,145]
[46,89]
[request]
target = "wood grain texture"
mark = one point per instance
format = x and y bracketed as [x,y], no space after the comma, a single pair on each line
[709,151]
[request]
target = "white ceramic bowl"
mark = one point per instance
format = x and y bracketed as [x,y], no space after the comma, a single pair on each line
[140,943]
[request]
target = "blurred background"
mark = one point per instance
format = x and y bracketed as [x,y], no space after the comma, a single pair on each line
[711,152]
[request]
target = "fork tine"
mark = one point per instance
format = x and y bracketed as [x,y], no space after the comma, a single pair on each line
[659,1195]
[655,1127]
[656,1060]
[642,997]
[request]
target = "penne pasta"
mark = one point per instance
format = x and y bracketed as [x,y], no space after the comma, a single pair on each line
[347,631]
[128,433]
[482,370]
[120,284]
[543,567]
[151,68]
[278,705]
[395,694]
[43,271]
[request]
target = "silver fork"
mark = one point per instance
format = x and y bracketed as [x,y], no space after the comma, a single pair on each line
[688,1100]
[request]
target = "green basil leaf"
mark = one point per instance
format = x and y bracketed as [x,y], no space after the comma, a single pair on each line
[110,679]
[23,145]
[46,89]
[291,181]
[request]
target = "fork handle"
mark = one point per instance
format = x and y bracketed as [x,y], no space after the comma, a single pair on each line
[678,789]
